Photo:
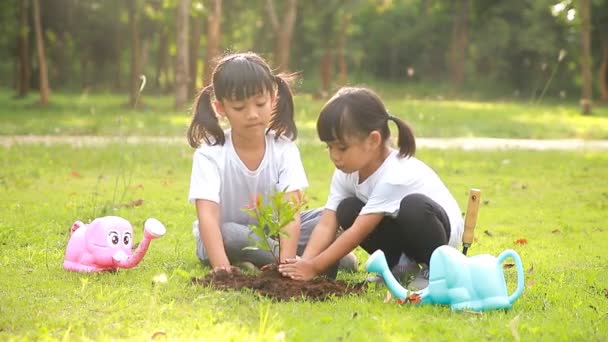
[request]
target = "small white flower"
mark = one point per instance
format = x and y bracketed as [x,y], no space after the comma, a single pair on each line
[160,279]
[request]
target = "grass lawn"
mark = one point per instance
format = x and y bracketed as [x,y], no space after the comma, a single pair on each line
[98,114]
[555,200]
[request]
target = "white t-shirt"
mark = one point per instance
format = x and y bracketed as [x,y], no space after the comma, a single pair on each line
[383,191]
[219,175]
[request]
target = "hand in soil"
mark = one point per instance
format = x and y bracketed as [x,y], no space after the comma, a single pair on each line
[272,284]
[227,269]
[298,269]
[268,267]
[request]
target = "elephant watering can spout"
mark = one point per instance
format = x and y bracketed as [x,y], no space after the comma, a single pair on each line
[376,263]
[153,229]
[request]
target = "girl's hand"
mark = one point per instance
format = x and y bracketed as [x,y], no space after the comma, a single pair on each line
[298,269]
[268,267]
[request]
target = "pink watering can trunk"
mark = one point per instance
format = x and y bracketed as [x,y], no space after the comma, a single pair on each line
[465,283]
[152,230]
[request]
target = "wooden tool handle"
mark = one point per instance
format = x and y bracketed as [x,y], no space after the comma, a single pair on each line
[470,218]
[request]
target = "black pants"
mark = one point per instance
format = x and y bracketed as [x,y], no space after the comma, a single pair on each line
[420,226]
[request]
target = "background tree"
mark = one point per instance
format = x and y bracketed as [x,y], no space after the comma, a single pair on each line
[512,47]
[283,31]
[600,28]
[160,17]
[602,74]
[327,16]
[459,42]
[23,55]
[42,68]
[585,30]
[136,65]
[345,19]
[181,61]
[214,33]
[196,25]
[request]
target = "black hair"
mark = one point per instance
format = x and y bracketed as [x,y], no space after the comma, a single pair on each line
[356,112]
[238,77]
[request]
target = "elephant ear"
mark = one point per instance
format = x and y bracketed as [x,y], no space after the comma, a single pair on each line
[75,226]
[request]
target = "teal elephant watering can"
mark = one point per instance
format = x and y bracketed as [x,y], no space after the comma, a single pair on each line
[474,283]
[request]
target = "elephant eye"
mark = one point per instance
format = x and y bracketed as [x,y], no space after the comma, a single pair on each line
[113,237]
[126,239]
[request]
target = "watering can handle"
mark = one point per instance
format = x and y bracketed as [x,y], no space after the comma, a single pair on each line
[509,253]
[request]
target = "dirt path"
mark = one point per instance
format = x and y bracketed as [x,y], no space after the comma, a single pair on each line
[441,143]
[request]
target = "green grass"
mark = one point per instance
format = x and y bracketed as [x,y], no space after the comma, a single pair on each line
[555,200]
[107,114]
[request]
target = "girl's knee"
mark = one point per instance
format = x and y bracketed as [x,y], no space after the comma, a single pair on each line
[414,206]
[348,210]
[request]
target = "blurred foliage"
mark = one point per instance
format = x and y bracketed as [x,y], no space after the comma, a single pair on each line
[513,46]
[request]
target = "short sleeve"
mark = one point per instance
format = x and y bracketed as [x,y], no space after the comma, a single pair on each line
[205,179]
[338,190]
[292,176]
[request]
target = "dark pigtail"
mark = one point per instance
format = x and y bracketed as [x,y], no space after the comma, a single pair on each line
[282,121]
[406,140]
[205,125]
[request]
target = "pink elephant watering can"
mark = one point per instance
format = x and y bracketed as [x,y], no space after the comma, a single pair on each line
[465,283]
[107,244]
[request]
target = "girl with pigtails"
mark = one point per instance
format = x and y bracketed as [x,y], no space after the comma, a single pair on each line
[383,198]
[255,156]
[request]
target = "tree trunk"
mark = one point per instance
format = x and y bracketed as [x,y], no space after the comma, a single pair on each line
[586,98]
[326,70]
[118,41]
[23,60]
[84,70]
[425,8]
[134,82]
[326,65]
[181,58]
[195,40]
[394,72]
[144,53]
[460,42]
[341,49]
[283,32]
[284,36]
[214,34]
[44,80]
[603,71]
[162,61]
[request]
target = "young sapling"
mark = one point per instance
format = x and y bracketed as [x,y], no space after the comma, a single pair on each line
[270,218]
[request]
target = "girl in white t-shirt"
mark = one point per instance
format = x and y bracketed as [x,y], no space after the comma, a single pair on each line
[381,197]
[256,156]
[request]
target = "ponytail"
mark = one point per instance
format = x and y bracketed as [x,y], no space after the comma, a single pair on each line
[204,124]
[282,121]
[406,140]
